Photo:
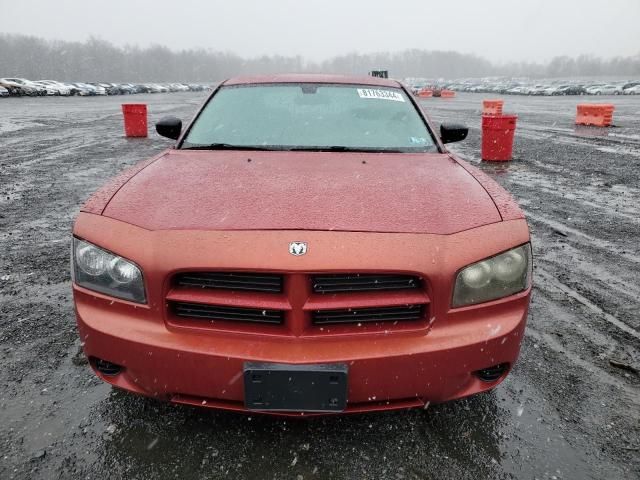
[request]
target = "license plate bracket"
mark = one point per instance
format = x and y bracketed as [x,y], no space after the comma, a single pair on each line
[300,388]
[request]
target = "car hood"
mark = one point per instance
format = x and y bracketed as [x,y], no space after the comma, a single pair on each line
[240,190]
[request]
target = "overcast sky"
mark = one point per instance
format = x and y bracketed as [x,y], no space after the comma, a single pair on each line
[499,30]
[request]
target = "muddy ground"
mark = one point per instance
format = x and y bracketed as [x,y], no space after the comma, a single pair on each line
[566,412]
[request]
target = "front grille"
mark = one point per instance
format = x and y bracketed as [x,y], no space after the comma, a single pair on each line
[362,282]
[234,314]
[297,303]
[368,315]
[254,282]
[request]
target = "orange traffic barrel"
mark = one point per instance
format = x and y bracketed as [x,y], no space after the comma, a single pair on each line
[447,94]
[599,115]
[492,107]
[497,137]
[135,119]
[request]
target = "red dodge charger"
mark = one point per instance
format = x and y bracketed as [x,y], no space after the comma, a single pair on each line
[309,245]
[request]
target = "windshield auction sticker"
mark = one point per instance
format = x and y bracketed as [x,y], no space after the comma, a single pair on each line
[380,94]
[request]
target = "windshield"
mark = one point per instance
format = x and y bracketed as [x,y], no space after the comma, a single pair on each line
[309,116]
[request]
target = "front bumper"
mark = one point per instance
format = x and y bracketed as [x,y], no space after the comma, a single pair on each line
[388,369]
[385,371]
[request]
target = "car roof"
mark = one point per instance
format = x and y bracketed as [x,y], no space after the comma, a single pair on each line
[313,78]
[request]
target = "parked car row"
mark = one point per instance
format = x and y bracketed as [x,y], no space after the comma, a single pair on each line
[523,87]
[22,86]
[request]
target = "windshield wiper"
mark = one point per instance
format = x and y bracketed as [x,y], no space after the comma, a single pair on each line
[228,146]
[327,148]
[343,148]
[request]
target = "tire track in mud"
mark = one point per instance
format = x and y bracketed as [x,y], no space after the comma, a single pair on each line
[582,237]
[610,277]
[615,206]
[570,292]
[600,373]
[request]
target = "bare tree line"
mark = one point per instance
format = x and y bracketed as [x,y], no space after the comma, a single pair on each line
[99,60]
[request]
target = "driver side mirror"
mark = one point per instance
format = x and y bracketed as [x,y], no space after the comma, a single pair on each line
[169,127]
[452,132]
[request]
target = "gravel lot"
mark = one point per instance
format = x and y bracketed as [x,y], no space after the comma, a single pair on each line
[568,411]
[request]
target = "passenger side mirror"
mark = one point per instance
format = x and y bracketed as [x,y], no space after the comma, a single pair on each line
[169,127]
[452,132]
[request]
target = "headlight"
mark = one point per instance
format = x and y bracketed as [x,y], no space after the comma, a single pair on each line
[104,272]
[493,278]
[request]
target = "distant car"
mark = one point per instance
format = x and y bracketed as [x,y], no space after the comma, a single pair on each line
[550,90]
[500,88]
[109,88]
[153,88]
[22,86]
[604,90]
[632,90]
[100,90]
[519,90]
[57,87]
[84,89]
[4,92]
[630,84]
[125,88]
[538,89]
[50,91]
[570,90]
[115,89]
[141,88]
[135,88]
[41,89]
[147,88]
[72,88]
[11,87]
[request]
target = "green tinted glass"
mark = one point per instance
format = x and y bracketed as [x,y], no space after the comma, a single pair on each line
[311,116]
